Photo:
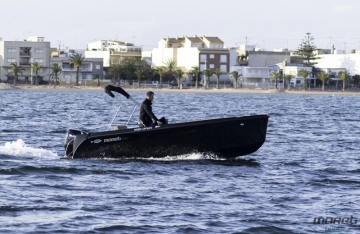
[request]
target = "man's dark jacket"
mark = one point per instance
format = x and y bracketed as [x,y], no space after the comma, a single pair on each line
[146,113]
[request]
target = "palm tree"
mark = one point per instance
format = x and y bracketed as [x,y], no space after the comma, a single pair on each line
[161,71]
[15,70]
[218,73]
[139,74]
[56,69]
[304,73]
[36,67]
[77,60]
[196,71]
[179,74]
[344,76]
[98,79]
[275,76]
[288,78]
[236,75]
[323,76]
[208,73]
[170,65]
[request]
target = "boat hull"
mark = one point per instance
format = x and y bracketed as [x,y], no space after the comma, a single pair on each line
[226,137]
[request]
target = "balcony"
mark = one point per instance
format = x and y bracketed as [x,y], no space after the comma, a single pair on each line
[25,63]
[25,54]
[68,69]
[86,69]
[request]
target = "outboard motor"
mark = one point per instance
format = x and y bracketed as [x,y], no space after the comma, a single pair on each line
[69,140]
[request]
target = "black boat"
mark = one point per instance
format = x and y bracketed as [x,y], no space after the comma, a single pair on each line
[225,137]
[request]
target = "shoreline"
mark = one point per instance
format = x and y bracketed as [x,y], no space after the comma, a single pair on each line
[61,88]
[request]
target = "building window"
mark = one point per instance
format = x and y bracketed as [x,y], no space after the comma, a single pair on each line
[97,67]
[202,67]
[223,58]
[38,51]
[86,67]
[11,60]
[212,56]
[11,50]
[223,68]
[202,57]
[39,60]
[211,66]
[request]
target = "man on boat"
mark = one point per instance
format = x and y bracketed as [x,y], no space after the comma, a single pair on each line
[146,114]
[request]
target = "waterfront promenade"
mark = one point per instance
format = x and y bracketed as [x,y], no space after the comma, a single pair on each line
[222,90]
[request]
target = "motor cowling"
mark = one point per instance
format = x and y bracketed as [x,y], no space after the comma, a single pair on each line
[69,139]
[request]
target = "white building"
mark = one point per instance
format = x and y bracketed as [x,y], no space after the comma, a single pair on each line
[24,53]
[252,77]
[350,62]
[112,51]
[293,69]
[203,52]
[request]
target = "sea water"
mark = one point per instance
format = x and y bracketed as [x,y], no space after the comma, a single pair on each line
[308,168]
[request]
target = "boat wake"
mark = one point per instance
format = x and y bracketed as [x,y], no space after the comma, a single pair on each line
[184,157]
[187,157]
[199,157]
[18,148]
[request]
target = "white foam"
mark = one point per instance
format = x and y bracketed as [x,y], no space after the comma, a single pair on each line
[185,157]
[4,86]
[19,148]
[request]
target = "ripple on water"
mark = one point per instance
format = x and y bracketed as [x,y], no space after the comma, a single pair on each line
[308,164]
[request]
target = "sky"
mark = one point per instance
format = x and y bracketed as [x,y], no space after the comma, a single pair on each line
[266,24]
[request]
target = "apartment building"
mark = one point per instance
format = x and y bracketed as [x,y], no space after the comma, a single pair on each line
[91,67]
[112,51]
[24,53]
[204,52]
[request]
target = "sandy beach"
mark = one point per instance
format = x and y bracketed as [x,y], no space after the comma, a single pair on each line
[4,86]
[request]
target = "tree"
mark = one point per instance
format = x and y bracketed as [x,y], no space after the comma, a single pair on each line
[161,71]
[139,74]
[116,70]
[288,78]
[78,60]
[275,76]
[304,74]
[344,76]
[218,73]
[356,79]
[97,77]
[36,67]
[178,74]
[208,73]
[15,70]
[170,65]
[306,51]
[323,76]
[236,75]
[56,69]
[196,71]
